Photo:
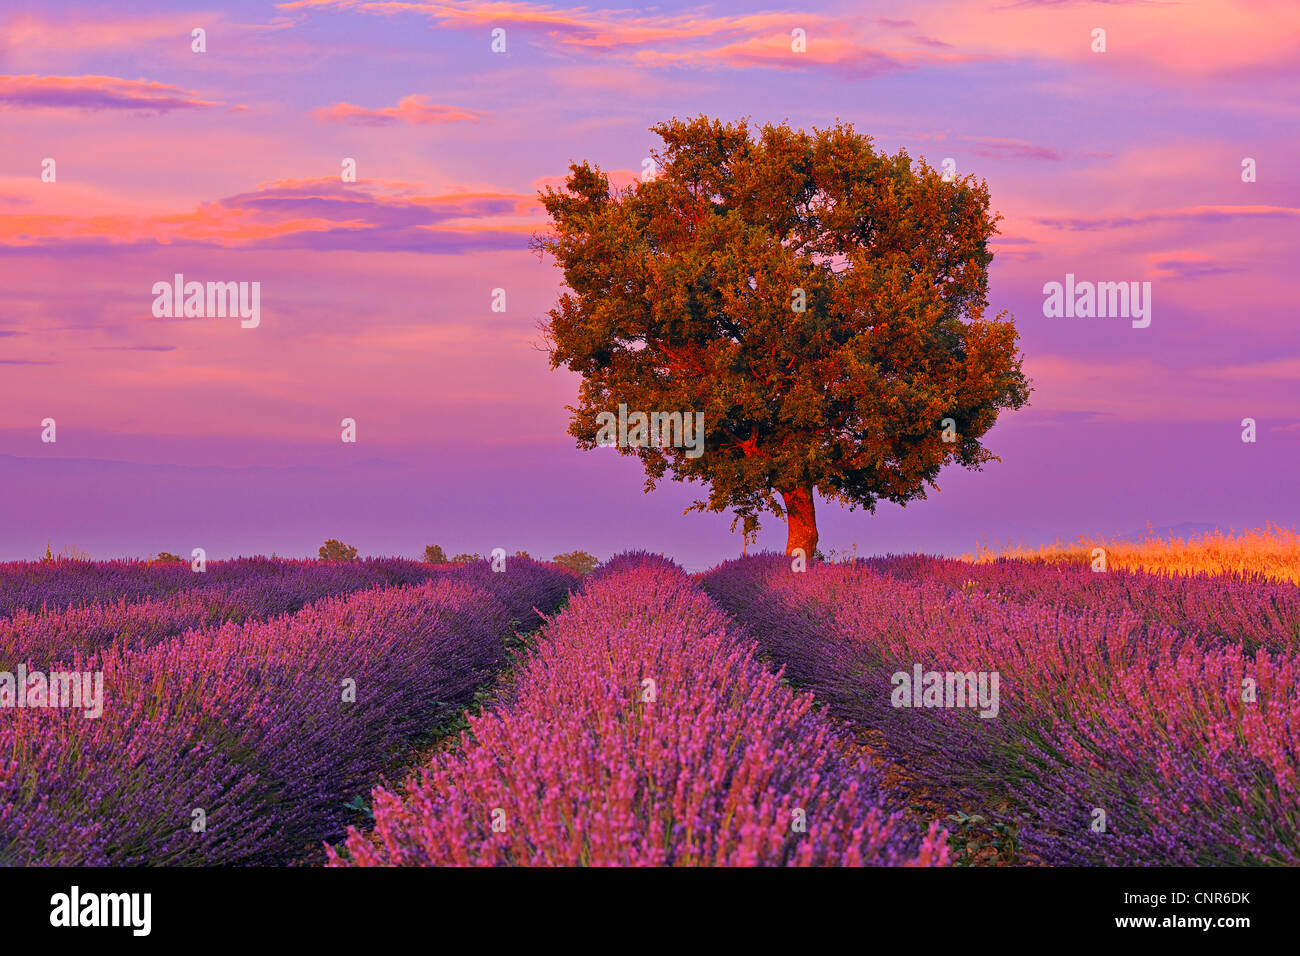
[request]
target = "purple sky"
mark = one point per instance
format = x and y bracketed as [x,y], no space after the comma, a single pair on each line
[224,165]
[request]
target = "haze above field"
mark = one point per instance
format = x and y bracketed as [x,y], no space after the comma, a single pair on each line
[376,296]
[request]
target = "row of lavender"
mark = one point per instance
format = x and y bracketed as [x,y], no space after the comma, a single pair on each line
[643,731]
[1250,610]
[1116,739]
[278,585]
[244,742]
[239,591]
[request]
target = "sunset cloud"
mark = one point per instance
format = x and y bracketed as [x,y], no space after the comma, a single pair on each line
[153,40]
[318,214]
[135,348]
[96,93]
[1149,37]
[1192,214]
[33,35]
[413,110]
[847,45]
[993,148]
[1189,265]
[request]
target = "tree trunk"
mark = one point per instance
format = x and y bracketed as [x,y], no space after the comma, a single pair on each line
[802,520]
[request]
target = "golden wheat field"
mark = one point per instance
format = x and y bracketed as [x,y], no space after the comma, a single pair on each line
[1270,551]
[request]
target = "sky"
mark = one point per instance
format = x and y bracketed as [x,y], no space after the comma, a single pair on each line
[376,295]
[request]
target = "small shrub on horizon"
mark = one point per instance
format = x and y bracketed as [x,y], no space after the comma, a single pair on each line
[66,553]
[579,561]
[335,550]
[433,554]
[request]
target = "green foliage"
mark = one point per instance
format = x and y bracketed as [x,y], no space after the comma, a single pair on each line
[169,557]
[335,550]
[433,554]
[358,803]
[579,561]
[976,841]
[466,558]
[682,295]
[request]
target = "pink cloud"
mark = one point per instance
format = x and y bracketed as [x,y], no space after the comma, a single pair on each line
[315,214]
[157,38]
[1201,214]
[413,110]
[993,148]
[1175,38]
[773,51]
[1183,40]
[1011,247]
[95,93]
[1188,264]
[576,26]
[761,39]
[79,34]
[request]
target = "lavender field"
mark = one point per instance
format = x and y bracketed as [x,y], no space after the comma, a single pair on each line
[229,730]
[904,711]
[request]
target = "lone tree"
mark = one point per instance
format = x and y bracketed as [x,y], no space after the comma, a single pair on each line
[336,550]
[579,561]
[821,303]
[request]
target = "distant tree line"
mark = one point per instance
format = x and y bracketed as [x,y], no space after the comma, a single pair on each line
[579,561]
[336,550]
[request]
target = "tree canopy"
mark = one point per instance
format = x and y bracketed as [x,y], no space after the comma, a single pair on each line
[579,561]
[335,550]
[822,303]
